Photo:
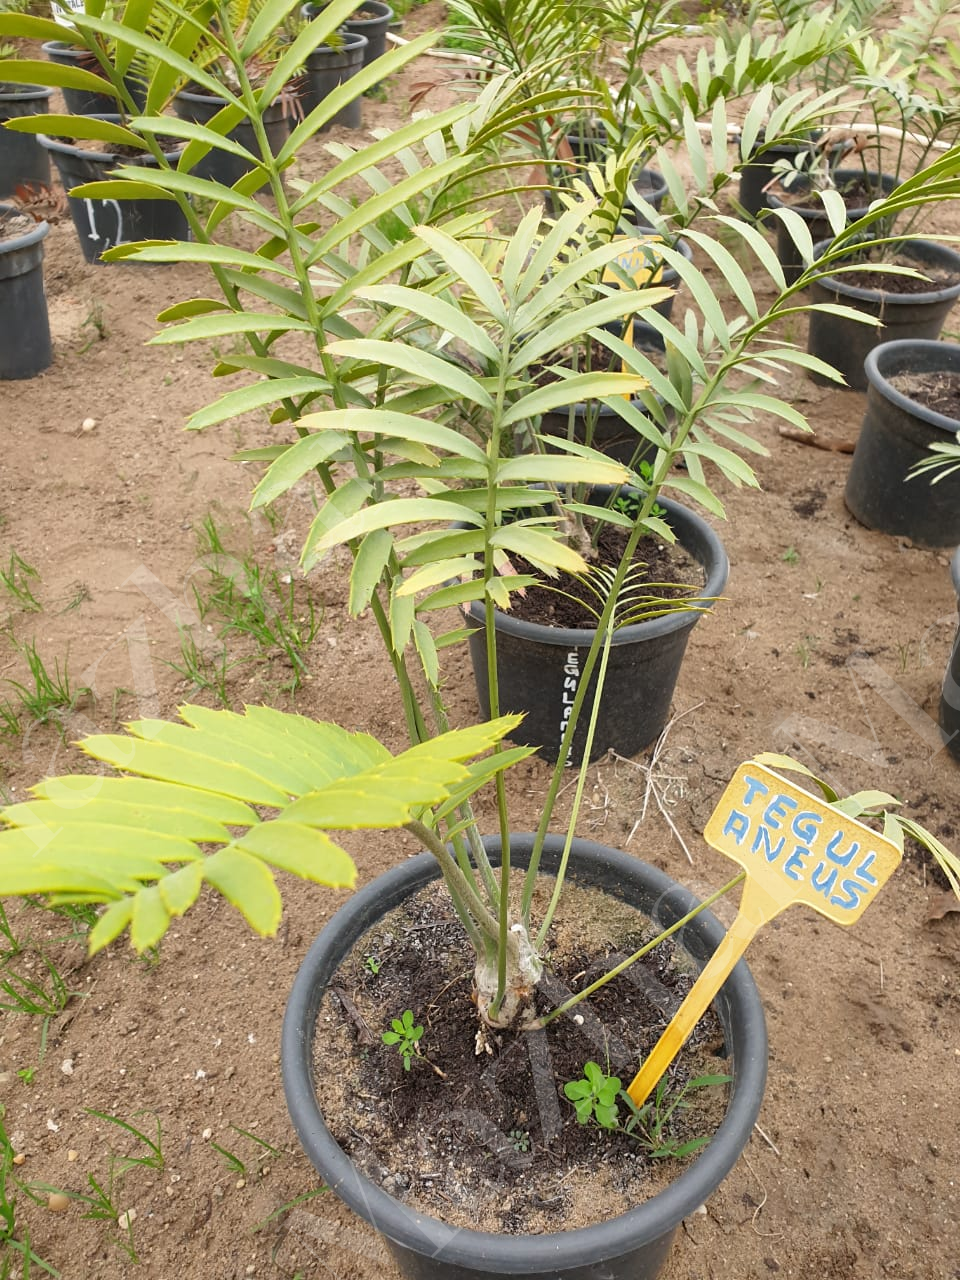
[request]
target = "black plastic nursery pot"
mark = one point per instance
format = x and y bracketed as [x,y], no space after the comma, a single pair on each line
[222,166]
[326,69]
[22,159]
[816,219]
[539,667]
[758,172]
[950,694]
[602,427]
[82,102]
[374,25]
[845,343]
[632,1246]
[102,224]
[25,348]
[897,432]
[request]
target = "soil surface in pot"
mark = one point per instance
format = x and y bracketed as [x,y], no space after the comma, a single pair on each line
[938,390]
[662,571]
[856,194]
[118,149]
[932,277]
[15,225]
[478,1131]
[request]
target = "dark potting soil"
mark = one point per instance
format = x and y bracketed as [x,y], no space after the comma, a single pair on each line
[478,1132]
[938,390]
[14,225]
[671,573]
[885,282]
[118,149]
[856,194]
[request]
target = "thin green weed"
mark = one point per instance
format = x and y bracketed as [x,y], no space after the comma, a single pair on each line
[16,580]
[50,694]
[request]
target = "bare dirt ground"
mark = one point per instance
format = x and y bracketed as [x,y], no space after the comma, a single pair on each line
[831,641]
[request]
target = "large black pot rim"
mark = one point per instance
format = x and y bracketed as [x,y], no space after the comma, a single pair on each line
[511,1255]
[929,249]
[104,157]
[898,353]
[32,237]
[349,40]
[189,96]
[582,637]
[23,92]
[811,212]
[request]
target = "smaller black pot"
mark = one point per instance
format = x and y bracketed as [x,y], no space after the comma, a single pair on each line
[374,28]
[758,172]
[326,69]
[602,427]
[950,694]
[896,434]
[222,166]
[539,666]
[22,159]
[81,102]
[102,224]
[25,348]
[845,344]
[816,219]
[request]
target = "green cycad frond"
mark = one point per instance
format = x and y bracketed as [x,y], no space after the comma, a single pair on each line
[187,813]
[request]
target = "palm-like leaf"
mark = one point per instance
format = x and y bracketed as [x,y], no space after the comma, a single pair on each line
[189,811]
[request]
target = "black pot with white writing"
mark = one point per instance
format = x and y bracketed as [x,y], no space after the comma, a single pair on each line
[632,1246]
[896,434]
[539,667]
[950,694]
[102,224]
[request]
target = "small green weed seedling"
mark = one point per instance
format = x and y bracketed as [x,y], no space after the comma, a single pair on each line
[234,1162]
[594,1097]
[791,556]
[372,965]
[51,694]
[405,1036]
[16,580]
[16,1256]
[597,1097]
[153,1159]
[206,667]
[262,604]
[649,1124]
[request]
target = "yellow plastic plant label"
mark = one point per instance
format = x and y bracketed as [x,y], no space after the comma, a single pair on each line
[794,847]
[638,264]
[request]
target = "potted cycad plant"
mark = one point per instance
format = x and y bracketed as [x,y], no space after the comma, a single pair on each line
[403,437]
